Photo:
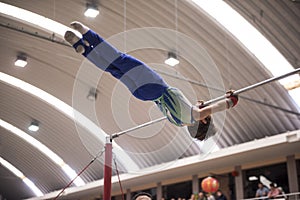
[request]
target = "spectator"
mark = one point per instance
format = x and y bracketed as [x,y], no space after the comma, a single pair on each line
[210,196]
[142,196]
[274,191]
[201,196]
[193,197]
[262,190]
[282,193]
[220,195]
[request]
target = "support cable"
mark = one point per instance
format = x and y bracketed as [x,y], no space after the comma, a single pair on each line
[68,185]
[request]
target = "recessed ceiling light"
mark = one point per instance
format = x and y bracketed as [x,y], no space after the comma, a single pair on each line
[172,59]
[34,126]
[21,61]
[91,11]
[92,95]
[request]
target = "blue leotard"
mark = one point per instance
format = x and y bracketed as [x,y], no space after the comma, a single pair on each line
[141,80]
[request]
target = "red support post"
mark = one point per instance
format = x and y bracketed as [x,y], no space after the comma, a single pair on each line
[107,169]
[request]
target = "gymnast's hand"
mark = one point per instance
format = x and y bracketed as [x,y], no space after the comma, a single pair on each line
[233,97]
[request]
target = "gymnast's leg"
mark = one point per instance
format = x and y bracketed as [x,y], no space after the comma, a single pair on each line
[143,82]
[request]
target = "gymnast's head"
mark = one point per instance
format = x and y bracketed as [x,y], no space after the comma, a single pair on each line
[142,196]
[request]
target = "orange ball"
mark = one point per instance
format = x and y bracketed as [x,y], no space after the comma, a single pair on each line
[210,184]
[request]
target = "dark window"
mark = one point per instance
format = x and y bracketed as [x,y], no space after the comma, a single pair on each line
[178,190]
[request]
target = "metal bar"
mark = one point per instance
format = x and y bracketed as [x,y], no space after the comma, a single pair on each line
[138,127]
[245,89]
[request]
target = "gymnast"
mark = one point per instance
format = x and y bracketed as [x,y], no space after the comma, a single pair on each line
[145,84]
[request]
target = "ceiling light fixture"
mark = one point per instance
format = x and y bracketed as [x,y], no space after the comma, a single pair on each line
[172,59]
[21,60]
[91,10]
[92,95]
[34,126]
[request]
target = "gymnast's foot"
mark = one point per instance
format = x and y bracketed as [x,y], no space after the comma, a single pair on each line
[79,27]
[72,39]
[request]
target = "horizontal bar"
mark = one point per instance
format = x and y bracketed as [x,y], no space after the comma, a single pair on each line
[245,89]
[115,135]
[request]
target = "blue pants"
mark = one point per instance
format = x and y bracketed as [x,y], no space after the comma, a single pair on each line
[141,80]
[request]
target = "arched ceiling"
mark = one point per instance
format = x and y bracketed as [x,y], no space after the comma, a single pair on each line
[54,68]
